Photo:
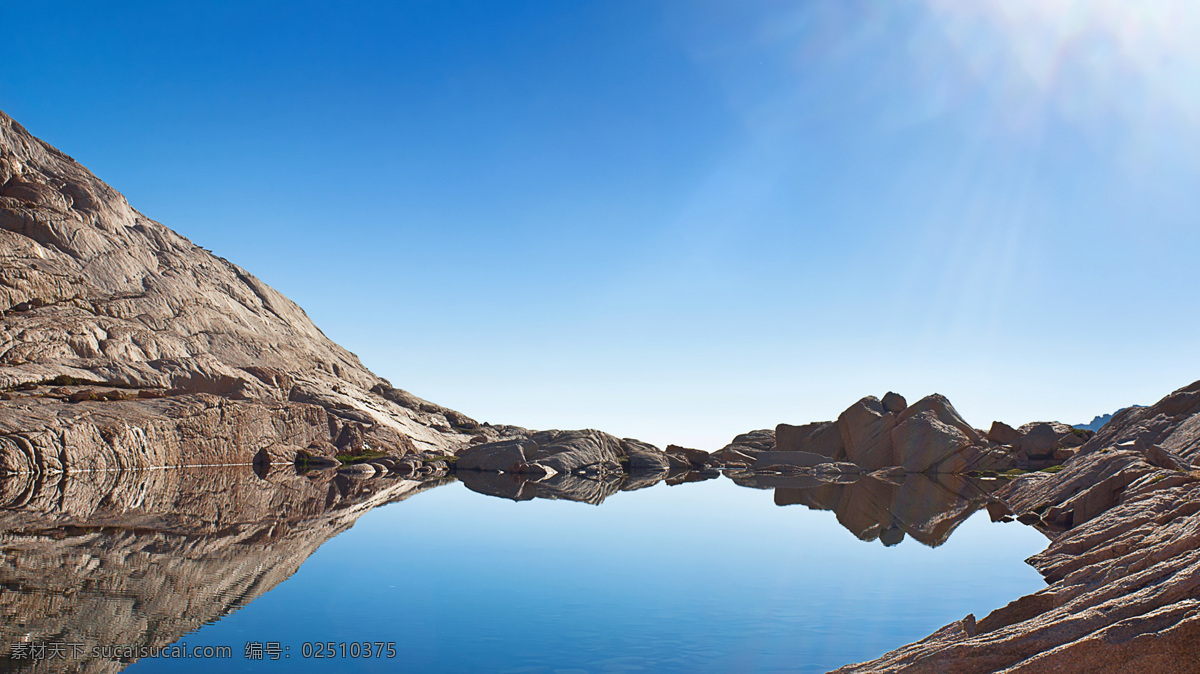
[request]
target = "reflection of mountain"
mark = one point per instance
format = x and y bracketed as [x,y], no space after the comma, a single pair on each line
[143,558]
[564,486]
[927,507]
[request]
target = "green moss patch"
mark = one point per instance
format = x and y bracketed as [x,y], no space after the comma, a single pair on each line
[361,457]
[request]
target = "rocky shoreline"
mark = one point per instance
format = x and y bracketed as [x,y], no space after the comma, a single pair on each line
[1123,566]
[123,347]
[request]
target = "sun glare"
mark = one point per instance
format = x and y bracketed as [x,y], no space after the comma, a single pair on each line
[1083,58]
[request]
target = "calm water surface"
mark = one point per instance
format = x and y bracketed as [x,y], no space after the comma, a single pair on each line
[705,576]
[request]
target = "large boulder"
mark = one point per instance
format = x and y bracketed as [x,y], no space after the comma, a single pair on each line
[822,437]
[505,456]
[1039,440]
[945,412]
[894,402]
[577,451]
[866,433]
[922,441]
[1003,434]
[686,458]
[642,458]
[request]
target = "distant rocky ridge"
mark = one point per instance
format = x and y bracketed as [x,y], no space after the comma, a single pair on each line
[1101,420]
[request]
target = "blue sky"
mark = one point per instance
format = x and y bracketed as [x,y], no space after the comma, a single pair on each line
[675,221]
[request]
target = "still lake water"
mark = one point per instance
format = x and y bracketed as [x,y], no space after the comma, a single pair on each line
[704,576]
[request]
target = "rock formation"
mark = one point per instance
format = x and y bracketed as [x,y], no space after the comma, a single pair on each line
[929,436]
[124,344]
[1123,566]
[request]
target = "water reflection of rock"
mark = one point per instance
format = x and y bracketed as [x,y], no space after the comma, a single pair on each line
[143,558]
[586,489]
[925,507]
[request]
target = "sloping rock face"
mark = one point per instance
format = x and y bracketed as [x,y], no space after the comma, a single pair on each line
[144,557]
[925,441]
[49,436]
[94,293]
[940,407]
[1123,567]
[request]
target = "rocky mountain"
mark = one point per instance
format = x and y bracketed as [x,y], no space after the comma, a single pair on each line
[124,344]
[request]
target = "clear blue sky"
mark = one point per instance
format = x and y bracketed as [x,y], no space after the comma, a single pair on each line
[670,220]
